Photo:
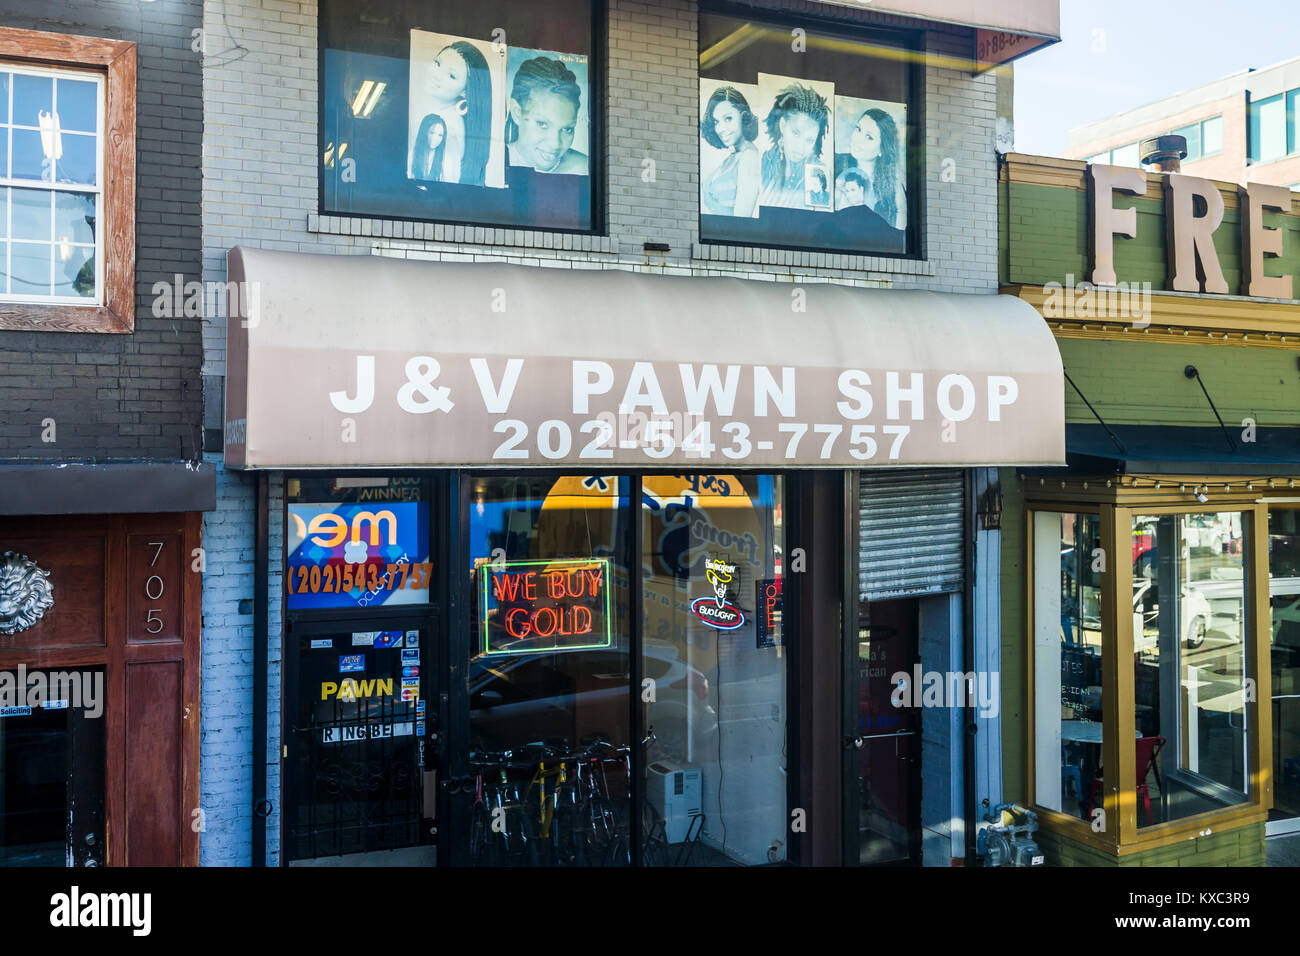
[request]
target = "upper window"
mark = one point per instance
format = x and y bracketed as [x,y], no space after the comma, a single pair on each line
[1128,155]
[478,113]
[1203,139]
[1268,129]
[807,139]
[1119,156]
[67,183]
[51,130]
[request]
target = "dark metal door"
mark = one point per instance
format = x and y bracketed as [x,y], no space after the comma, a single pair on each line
[361,734]
[882,740]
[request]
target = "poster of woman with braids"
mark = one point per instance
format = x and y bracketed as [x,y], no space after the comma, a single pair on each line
[796,134]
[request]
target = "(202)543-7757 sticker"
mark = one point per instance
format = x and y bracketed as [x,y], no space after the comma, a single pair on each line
[340,578]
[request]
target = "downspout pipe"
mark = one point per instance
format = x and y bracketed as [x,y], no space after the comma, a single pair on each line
[969,726]
[261,627]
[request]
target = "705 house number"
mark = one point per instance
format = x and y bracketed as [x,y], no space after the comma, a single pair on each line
[153,590]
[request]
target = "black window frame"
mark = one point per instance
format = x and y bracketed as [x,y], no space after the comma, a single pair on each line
[914,41]
[597,160]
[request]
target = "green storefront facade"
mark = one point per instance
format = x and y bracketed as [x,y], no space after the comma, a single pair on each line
[1171,539]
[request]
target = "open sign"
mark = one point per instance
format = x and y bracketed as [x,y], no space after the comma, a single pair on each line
[768,615]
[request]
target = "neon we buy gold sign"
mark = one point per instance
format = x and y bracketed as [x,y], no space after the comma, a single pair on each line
[534,606]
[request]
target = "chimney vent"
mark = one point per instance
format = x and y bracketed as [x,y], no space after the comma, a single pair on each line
[1164,152]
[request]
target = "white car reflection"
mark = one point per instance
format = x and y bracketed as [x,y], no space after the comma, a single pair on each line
[1197,613]
[562,696]
[1284,596]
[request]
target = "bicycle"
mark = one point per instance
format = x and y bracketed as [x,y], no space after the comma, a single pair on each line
[604,838]
[552,841]
[493,841]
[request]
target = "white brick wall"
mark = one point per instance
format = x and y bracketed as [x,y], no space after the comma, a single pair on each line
[225,774]
[260,189]
[226,729]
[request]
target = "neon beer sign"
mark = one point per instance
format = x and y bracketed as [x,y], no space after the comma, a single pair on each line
[536,606]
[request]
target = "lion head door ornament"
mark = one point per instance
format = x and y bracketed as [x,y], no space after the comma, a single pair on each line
[25,592]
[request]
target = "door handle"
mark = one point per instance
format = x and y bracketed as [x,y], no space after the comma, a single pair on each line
[855,743]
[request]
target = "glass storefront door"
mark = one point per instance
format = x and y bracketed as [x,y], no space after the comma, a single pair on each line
[883,798]
[549,745]
[52,782]
[554,768]
[714,686]
[1284,647]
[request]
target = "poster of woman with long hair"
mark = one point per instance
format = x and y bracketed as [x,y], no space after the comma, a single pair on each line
[547,127]
[457,105]
[871,171]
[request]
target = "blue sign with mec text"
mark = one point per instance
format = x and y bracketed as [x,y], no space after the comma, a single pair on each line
[366,554]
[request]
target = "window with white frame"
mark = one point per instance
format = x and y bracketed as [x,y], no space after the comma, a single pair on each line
[51,185]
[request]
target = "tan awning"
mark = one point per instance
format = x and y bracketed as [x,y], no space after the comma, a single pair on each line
[1004,30]
[365,361]
[1037,17]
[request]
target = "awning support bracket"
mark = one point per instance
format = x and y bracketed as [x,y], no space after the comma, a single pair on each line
[1191,372]
[1113,437]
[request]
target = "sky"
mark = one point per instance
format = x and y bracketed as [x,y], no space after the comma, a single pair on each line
[1118,54]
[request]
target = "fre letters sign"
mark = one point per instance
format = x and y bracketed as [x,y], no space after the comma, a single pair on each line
[1194,212]
[531,606]
[363,361]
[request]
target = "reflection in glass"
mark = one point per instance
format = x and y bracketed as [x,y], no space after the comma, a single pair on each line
[1189,657]
[33,95]
[29,159]
[78,105]
[74,270]
[74,217]
[715,648]
[53,139]
[1068,657]
[77,164]
[31,214]
[549,671]
[29,268]
[1284,597]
